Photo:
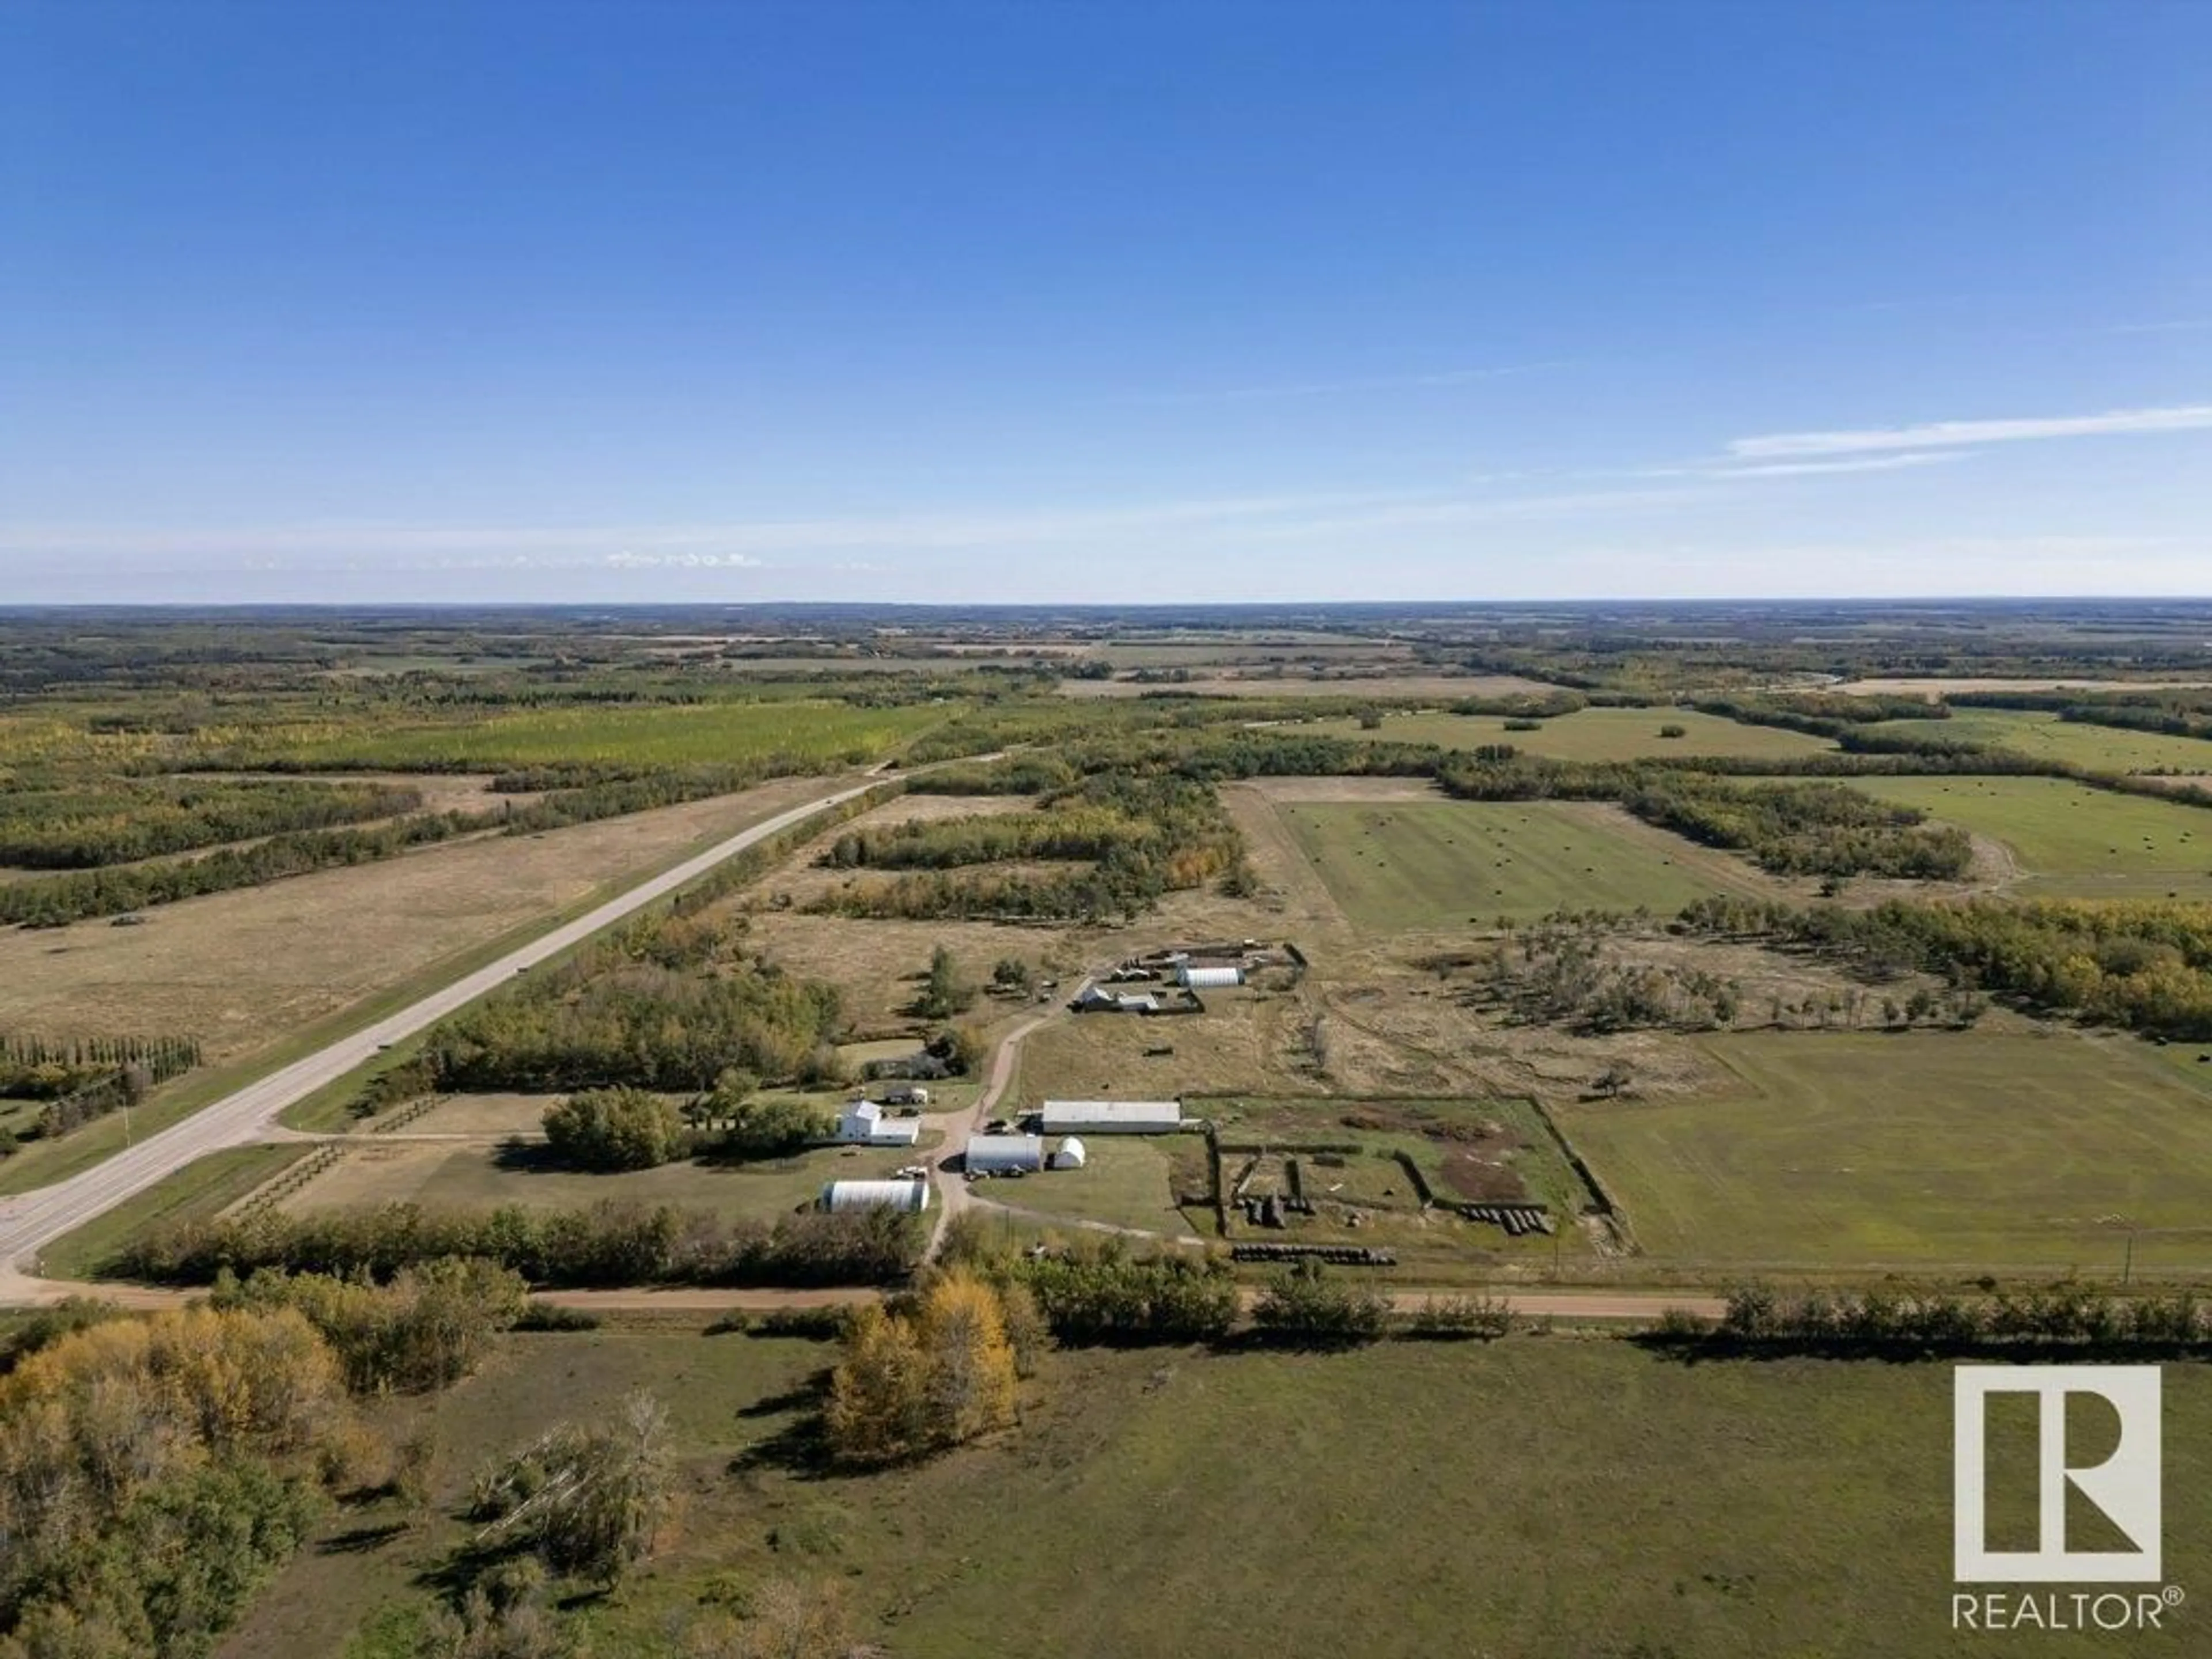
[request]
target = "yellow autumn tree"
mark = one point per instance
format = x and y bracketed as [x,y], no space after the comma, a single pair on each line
[913,1382]
[963,1332]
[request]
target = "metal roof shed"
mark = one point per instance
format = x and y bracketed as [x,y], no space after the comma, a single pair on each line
[1112,1117]
[998,1154]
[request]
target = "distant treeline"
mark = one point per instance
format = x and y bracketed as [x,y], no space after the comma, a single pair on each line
[85,827]
[2145,965]
[608,1244]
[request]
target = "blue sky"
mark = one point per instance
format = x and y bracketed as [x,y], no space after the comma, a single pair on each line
[1051,301]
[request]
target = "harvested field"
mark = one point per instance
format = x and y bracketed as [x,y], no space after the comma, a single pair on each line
[238,969]
[2069,841]
[1447,865]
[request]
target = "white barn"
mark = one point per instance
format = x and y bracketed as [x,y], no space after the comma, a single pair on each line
[847,1196]
[1112,1117]
[998,1154]
[1209,979]
[863,1123]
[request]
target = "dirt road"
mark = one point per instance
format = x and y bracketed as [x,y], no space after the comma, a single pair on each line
[31,1221]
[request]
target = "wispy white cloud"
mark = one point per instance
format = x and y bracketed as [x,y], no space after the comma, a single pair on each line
[1909,458]
[2178,325]
[627,560]
[1946,434]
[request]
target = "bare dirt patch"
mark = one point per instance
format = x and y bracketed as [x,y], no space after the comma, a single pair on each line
[1325,791]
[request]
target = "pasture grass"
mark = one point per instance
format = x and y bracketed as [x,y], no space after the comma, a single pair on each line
[1974,1151]
[2071,841]
[2045,736]
[1533,1497]
[471,1176]
[1592,734]
[1126,1181]
[1428,865]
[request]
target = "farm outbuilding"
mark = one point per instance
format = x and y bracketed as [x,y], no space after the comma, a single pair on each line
[847,1196]
[1112,1117]
[1000,1154]
[1069,1156]
[1209,979]
[863,1123]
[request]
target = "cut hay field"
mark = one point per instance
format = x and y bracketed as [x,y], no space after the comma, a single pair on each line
[1591,734]
[2045,736]
[1445,865]
[2069,841]
[1979,1150]
[1522,1499]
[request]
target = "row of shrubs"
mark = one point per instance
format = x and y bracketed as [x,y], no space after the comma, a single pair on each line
[2062,1315]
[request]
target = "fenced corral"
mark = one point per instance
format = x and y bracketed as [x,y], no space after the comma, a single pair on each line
[1336,1256]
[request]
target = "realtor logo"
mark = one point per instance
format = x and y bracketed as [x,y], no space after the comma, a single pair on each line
[2124,1486]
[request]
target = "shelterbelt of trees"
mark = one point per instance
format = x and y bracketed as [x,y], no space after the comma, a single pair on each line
[2170,710]
[2142,965]
[607,1244]
[86,827]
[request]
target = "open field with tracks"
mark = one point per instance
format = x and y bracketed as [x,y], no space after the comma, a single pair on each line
[1428,865]
[1592,734]
[1387,1502]
[1974,1150]
[2069,841]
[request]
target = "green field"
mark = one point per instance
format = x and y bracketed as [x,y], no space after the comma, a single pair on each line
[1592,734]
[1124,1182]
[1530,1499]
[201,1189]
[466,1176]
[1444,864]
[1974,1151]
[2026,731]
[816,733]
[2071,841]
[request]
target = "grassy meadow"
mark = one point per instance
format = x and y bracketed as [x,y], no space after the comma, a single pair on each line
[1532,1498]
[1431,865]
[1593,734]
[2072,842]
[1985,1149]
[2045,736]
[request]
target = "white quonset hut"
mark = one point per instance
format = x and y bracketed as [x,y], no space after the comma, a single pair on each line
[1209,979]
[1070,1155]
[1112,1117]
[998,1154]
[863,1123]
[846,1195]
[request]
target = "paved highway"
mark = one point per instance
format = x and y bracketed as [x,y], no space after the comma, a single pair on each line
[31,1221]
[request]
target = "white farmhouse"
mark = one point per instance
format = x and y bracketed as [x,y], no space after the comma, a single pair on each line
[862,1123]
